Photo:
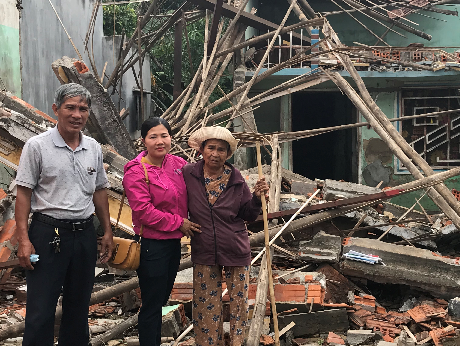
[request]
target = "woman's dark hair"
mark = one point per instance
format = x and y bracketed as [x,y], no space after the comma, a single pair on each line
[153,122]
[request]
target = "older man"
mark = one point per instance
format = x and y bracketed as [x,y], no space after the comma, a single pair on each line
[61,180]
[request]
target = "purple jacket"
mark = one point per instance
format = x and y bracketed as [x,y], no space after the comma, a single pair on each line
[224,239]
[162,206]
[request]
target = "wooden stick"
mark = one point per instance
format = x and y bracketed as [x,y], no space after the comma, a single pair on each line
[103,71]
[402,216]
[267,250]
[273,176]
[424,211]
[287,328]
[68,36]
[260,306]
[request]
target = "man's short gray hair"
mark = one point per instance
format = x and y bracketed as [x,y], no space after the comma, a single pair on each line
[70,90]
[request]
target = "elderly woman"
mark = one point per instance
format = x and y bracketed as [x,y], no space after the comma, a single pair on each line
[220,201]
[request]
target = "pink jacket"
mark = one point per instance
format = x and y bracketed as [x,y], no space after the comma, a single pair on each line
[162,206]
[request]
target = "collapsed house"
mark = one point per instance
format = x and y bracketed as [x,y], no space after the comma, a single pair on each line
[295,84]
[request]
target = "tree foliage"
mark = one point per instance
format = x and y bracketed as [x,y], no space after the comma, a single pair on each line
[162,53]
[125,19]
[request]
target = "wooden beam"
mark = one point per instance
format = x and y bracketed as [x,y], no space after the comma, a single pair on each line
[177,59]
[215,22]
[248,19]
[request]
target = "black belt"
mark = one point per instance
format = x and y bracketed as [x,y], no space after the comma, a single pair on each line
[72,225]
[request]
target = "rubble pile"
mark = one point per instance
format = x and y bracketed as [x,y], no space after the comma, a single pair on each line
[329,268]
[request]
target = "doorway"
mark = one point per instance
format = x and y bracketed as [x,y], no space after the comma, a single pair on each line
[331,155]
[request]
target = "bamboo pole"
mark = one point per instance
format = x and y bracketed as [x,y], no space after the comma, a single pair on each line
[269,48]
[144,21]
[392,145]
[389,20]
[273,176]
[254,40]
[141,82]
[396,136]
[206,67]
[360,23]
[267,251]
[371,17]
[298,11]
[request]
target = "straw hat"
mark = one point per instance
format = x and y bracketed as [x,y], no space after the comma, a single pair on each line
[214,132]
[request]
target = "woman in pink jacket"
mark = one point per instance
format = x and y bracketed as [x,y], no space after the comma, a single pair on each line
[159,210]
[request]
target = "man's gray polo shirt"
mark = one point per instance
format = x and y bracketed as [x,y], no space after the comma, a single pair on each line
[63,180]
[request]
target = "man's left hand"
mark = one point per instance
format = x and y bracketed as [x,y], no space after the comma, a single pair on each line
[106,247]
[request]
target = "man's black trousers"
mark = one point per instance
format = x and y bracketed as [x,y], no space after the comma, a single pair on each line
[72,270]
[157,271]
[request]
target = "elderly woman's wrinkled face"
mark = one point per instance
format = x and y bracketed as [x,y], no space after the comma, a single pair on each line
[215,152]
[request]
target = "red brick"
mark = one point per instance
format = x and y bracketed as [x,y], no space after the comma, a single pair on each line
[252,291]
[183,285]
[333,338]
[7,233]
[312,287]
[182,291]
[380,310]
[425,312]
[266,340]
[81,67]
[290,293]
[388,338]
[308,278]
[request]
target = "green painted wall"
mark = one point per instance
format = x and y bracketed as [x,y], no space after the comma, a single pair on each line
[443,28]
[10,62]
[373,148]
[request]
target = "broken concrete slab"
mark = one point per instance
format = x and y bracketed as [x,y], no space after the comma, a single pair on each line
[322,248]
[173,320]
[334,189]
[404,265]
[337,286]
[335,320]
[104,122]
[303,187]
[359,337]
[16,104]
[454,307]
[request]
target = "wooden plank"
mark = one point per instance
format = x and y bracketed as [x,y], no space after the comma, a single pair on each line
[335,320]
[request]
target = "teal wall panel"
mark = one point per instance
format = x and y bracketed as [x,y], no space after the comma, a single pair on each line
[10,63]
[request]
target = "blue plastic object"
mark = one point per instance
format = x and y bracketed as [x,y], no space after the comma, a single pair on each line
[34,258]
